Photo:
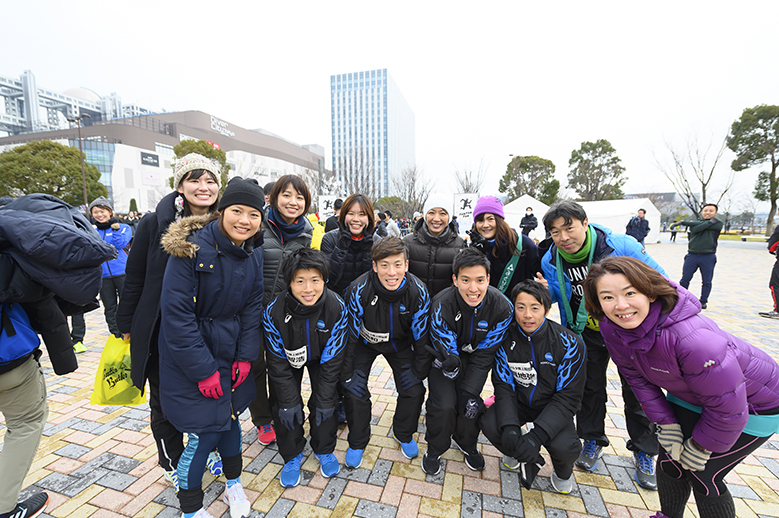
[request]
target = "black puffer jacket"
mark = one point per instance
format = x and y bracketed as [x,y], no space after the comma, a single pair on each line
[275,251]
[430,257]
[346,264]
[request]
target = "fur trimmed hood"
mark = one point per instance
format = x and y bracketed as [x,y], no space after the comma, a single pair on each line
[178,241]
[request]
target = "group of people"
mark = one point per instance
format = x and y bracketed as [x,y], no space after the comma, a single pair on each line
[221,289]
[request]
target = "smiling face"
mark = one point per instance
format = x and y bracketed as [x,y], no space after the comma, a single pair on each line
[472,283]
[708,212]
[487,226]
[200,193]
[621,302]
[290,204]
[391,270]
[101,214]
[569,238]
[307,286]
[529,312]
[436,219]
[356,219]
[240,222]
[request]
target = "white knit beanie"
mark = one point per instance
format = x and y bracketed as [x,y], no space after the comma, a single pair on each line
[439,199]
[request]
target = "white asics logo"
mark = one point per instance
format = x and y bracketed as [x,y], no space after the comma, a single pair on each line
[375,298]
[457,316]
[287,318]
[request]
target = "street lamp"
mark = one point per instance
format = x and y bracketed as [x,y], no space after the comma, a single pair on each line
[77,120]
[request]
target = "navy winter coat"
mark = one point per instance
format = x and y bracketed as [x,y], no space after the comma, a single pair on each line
[211,311]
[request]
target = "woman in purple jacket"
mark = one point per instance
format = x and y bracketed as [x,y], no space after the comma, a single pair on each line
[722,399]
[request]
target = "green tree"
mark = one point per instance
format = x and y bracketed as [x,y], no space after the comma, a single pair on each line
[754,138]
[548,194]
[204,148]
[133,205]
[47,167]
[596,172]
[529,175]
[393,203]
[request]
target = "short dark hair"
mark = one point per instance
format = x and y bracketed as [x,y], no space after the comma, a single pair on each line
[642,210]
[566,209]
[529,208]
[297,183]
[365,205]
[382,216]
[268,188]
[388,246]
[338,204]
[468,257]
[710,205]
[534,288]
[305,259]
[640,275]
[388,213]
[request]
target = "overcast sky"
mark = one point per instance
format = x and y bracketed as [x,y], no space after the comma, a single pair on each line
[484,80]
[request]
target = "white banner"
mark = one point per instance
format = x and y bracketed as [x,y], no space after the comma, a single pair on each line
[464,203]
[325,205]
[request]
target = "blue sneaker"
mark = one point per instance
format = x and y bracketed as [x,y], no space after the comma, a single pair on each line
[328,465]
[290,473]
[173,478]
[410,449]
[214,464]
[645,470]
[588,459]
[353,458]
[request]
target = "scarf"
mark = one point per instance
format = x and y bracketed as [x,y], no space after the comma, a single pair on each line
[107,224]
[575,325]
[641,338]
[384,293]
[581,255]
[287,231]
[299,309]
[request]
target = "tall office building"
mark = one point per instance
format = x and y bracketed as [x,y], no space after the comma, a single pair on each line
[373,131]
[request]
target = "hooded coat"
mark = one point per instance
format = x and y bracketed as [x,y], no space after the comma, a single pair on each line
[346,264]
[211,316]
[430,257]
[696,361]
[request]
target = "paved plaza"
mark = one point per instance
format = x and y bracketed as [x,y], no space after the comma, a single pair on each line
[102,461]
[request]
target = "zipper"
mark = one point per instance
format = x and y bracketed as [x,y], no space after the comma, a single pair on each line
[473,316]
[308,338]
[532,364]
[278,270]
[392,342]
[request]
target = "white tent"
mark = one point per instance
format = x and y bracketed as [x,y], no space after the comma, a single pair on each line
[515,211]
[615,214]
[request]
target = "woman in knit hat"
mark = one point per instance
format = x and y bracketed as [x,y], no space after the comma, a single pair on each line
[434,243]
[511,259]
[196,183]
[210,333]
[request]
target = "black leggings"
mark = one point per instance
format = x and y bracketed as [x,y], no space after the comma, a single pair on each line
[708,482]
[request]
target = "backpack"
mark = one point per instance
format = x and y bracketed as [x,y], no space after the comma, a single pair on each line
[17,337]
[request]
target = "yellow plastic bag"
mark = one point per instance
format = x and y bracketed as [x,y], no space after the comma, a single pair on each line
[113,385]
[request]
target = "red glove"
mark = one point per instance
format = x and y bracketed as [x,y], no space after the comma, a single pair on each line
[241,371]
[211,387]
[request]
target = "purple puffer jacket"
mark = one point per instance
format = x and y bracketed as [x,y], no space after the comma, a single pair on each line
[696,361]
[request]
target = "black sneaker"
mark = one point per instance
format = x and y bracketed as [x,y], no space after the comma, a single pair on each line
[431,465]
[30,508]
[704,305]
[473,458]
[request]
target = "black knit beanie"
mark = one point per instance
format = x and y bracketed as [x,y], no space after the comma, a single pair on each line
[243,192]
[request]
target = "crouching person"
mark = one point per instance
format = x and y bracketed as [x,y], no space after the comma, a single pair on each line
[539,378]
[211,310]
[468,322]
[388,315]
[305,326]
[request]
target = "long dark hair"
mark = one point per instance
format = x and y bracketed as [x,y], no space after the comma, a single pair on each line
[504,236]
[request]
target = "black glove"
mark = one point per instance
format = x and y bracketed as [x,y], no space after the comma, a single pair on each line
[407,378]
[448,363]
[288,416]
[510,439]
[357,384]
[344,240]
[478,242]
[323,414]
[470,405]
[529,448]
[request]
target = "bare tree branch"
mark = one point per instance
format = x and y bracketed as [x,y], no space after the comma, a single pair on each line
[357,173]
[412,188]
[470,181]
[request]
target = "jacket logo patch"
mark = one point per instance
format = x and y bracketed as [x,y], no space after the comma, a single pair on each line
[664,371]
[548,357]
[513,344]
[373,337]
[287,318]
[402,308]
[320,324]
[297,358]
[375,299]
[708,364]
[482,324]
[524,373]
[457,316]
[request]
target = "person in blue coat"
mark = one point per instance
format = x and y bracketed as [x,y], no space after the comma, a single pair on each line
[211,311]
[118,235]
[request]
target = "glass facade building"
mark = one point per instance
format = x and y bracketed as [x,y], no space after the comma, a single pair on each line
[373,131]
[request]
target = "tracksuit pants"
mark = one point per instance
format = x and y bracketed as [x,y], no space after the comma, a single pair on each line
[109,296]
[706,264]
[409,403]
[444,419]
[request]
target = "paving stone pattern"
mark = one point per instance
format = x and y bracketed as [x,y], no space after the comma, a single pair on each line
[102,461]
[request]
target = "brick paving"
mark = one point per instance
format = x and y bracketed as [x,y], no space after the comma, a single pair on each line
[102,462]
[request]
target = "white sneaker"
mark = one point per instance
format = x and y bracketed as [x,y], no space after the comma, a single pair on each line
[236,499]
[202,513]
[510,462]
[563,486]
